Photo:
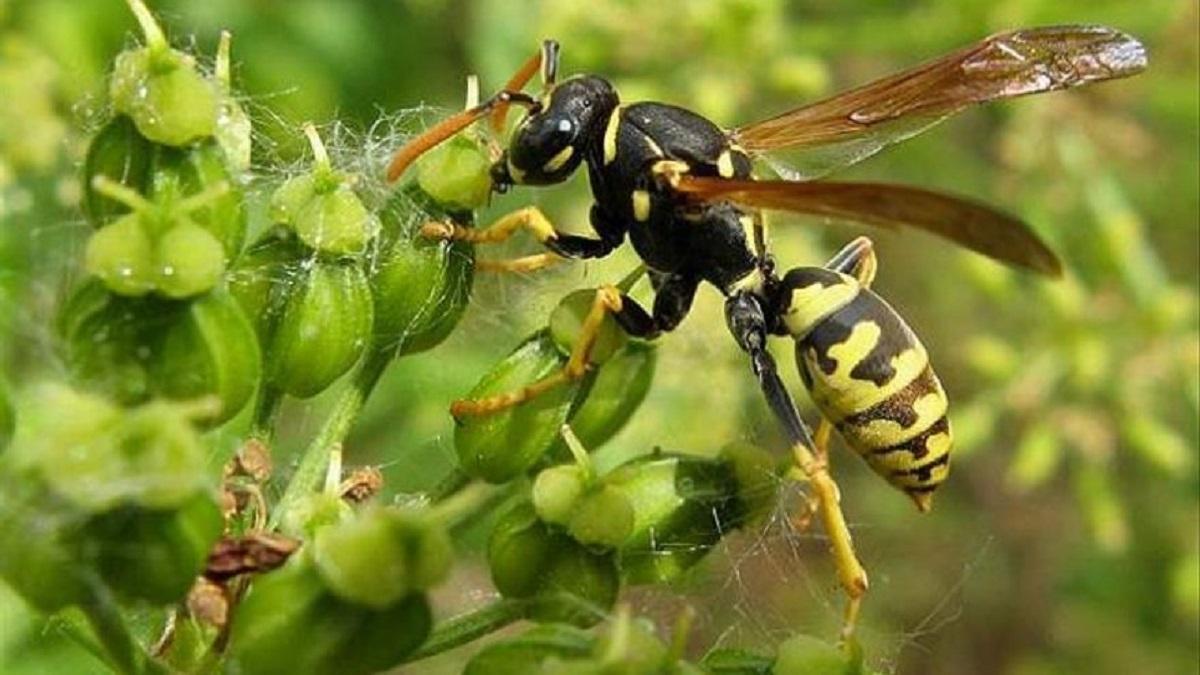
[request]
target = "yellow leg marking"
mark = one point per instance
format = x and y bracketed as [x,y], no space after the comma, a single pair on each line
[668,171]
[607,300]
[530,218]
[851,574]
[529,263]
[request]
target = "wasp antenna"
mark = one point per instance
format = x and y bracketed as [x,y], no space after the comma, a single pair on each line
[515,83]
[549,65]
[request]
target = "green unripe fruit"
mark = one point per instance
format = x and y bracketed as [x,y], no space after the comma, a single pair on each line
[531,651]
[155,555]
[566,324]
[323,329]
[324,212]
[736,662]
[122,256]
[757,474]
[190,261]
[456,174]
[161,91]
[420,286]
[557,492]
[119,152]
[208,350]
[566,581]
[290,622]
[604,519]
[616,392]
[381,556]
[181,173]
[40,556]
[806,655]
[502,446]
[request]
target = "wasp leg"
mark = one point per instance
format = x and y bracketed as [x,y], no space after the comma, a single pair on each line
[530,218]
[529,263]
[748,325]
[856,259]
[608,300]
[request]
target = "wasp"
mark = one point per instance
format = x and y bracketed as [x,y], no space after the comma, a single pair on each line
[683,191]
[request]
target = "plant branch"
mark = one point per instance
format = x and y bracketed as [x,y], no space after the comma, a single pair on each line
[470,626]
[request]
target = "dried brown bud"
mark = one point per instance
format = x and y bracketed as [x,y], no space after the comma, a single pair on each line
[361,485]
[208,602]
[249,554]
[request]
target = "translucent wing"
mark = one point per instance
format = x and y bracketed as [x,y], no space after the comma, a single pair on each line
[975,226]
[846,128]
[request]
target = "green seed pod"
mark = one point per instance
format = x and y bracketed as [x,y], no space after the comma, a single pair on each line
[120,153]
[569,583]
[615,394]
[290,622]
[758,476]
[566,323]
[456,174]
[263,279]
[103,339]
[322,208]
[155,555]
[501,446]
[96,456]
[736,662]
[323,329]
[806,655]
[682,507]
[160,89]
[209,349]
[381,556]
[122,256]
[185,172]
[420,286]
[40,545]
[531,651]
[190,261]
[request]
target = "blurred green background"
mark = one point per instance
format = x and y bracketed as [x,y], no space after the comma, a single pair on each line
[1067,539]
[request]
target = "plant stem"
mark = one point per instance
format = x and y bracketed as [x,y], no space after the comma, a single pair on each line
[463,505]
[266,410]
[310,473]
[449,486]
[471,626]
[108,625]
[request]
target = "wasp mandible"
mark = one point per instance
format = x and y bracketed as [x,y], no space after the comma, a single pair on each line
[684,193]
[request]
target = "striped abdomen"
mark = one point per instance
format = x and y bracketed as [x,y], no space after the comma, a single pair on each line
[870,376]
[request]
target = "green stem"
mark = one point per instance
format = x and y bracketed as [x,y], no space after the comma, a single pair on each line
[108,625]
[449,486]
[464,504]
[470,626]
[310,473]
[266,411]
[155,39]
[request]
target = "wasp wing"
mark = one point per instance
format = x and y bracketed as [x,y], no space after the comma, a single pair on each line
[848,127]
[975,226]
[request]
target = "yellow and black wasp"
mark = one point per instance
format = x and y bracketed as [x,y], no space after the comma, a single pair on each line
[683,191]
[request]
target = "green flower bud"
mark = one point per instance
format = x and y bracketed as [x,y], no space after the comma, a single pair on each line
[682,507]
[40,544]
[569,583]
[420,286]
[290,622]
[322,208]
[182,173]
[531,651]
[160,89]
[323,330]
[502,446]
[806,655]
[209,349]
[566,323]
[456,174]
[97,456]
[121,154]
[381,556]
[557,492]
[603,519]
[615,394]
[155,555]
[103,336]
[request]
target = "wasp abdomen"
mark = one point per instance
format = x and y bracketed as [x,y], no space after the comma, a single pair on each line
[870,376]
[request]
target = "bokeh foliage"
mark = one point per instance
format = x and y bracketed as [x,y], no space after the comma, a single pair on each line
[1066,540]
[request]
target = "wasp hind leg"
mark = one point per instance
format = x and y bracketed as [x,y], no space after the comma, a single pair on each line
[748,324]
